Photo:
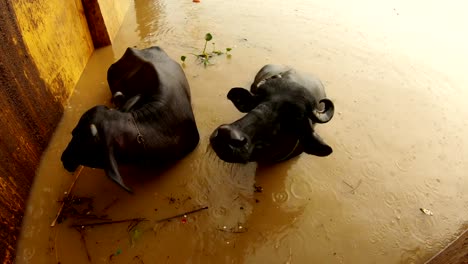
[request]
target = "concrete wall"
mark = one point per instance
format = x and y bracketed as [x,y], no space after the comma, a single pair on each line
[104,19]
[58,40]
[45,47]
[113,19]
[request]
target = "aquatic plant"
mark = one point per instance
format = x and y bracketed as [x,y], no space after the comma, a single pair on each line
[204,56]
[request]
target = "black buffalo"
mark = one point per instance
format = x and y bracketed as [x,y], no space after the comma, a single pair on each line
[282,109]
[155,124]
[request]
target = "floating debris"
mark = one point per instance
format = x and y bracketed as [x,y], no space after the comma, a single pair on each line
[135,235]
[238,229]
[353,189]
[70,189]
[426,211]
[132,220]
[258,189]
[118,252]
[182,215]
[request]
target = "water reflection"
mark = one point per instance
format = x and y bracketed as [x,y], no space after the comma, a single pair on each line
[150,17]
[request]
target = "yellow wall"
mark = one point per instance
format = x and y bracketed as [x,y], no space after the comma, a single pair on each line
[57,37]
[113,13]
[44,46]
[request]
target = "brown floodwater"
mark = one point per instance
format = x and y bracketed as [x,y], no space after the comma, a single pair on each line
[397,74]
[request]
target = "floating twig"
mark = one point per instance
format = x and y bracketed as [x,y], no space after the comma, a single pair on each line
[290,256]
[353,189]
[70,189]
[55,246]
[93,217]
[83,240]
[181,215]
[110,205]
[132,225]
[109,222]
[232,231]
[349,185]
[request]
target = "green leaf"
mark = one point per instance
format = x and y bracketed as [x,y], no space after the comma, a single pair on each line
[208,37]
[228,49]
[135,235]
[182,58]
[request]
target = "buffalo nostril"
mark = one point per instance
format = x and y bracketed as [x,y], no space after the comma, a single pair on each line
[233,137]
[223,132]
[238,142]
[236,139]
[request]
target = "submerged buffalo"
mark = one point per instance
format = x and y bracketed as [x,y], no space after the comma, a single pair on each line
[155,124]
[145,75]
[282,109]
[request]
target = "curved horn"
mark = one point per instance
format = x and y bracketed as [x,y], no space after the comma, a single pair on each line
[94,131]
[325,115]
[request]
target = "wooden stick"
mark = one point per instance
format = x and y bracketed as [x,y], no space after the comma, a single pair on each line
[353,189]
[180,215]
[109,205]
[55,246]
[109,222]
[233,231]
[359,184]
[77,174]
[83,240]
[349,185]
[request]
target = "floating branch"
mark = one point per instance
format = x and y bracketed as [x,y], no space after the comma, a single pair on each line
[70,189]
[181,215]
[109,222]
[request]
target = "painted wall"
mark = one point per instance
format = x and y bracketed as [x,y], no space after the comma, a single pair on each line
[29,114]
[58,40]
[45,47]
[104,19]
[113,12]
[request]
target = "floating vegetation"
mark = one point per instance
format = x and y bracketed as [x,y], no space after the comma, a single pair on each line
[204,56]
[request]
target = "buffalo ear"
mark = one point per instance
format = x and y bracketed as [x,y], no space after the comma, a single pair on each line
[242,99]
[112,171]
[130,103]
[313,144]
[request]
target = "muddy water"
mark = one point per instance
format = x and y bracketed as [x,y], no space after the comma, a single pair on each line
[396,73]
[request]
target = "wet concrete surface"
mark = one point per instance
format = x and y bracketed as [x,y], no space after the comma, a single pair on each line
[396,73]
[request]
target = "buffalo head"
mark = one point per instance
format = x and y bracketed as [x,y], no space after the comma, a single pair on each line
[279,124]
[90,146]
